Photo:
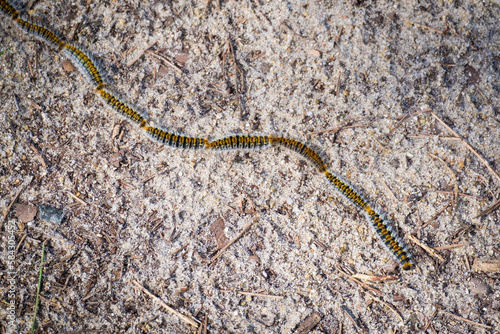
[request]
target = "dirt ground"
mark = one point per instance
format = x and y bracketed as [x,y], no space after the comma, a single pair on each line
[255,241]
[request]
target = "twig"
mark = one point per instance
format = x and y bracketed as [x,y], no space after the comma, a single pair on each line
[459,194]
[39,155]
[428,249]
[450,246]
[223,249]
[260,295]
[455,194]
[392,308]
[335,130]
[348,313]
[77,199]
[166,60]
[441,32]
[405,117]
[437,214]
[376,279]
[39,287]
[492,208]
[13,201]
[468,146]
[466,320]
[140,55]
[193,322]
[431,135]
[366,286]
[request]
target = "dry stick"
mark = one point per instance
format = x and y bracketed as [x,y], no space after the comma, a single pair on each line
[468,146]
[346,311]
[366,286]
[405,117]
[77,199]
[239,79]
[13,201]
[376,279]
[337,129]
[166,60]
[392,308]
[492,208]
[431,135]
[223,249]
[431,28]
[455,194]
[437,214]
[140,55]
[450,246]
[466,320]
[459,194]
[428,249]
[260,295]
[189,320]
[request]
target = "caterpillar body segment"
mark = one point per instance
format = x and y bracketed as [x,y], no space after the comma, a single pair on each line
[40,31]
[239,142]
[384,231]
[302,149]
[122,108]
[346,190]
[175,140]
[8,9]
[87,65]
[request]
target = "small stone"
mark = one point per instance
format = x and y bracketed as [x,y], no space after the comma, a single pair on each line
[24,212]
[51,214]
[478,287]
[117,159]
[68,66]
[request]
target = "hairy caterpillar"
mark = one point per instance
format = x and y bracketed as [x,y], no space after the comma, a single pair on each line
[41,31]
[122,108]
[383,230]
[175,140]
[239,142]
[381,226]
[302,149]
[8,9]
[87,64]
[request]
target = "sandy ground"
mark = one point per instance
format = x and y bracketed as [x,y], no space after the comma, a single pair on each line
[339,75]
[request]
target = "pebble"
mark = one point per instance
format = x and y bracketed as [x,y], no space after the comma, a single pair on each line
[51,214]
[478,287]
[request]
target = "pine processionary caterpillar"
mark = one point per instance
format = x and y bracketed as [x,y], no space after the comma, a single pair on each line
[239,142]
[382,228]
[87,64]
[8,9]
[302,149]
[346,190]
[175,140]
[41,31]
[122,108]
[386,234]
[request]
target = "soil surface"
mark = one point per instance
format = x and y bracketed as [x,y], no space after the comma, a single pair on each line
[252,241]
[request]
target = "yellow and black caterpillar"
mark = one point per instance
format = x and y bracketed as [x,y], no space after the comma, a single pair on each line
[85,62]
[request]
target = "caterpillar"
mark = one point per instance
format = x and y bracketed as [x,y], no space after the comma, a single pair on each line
[383,230]
[175,140]
[387,236]
[87,64]
[380,225]
[302,149]
[239,142]
[8,9]
[122,108]
[41,31]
